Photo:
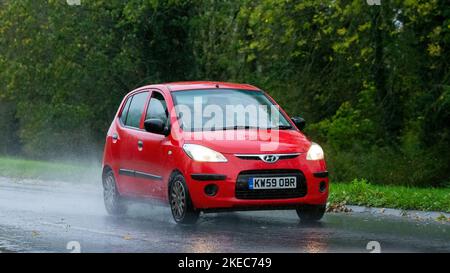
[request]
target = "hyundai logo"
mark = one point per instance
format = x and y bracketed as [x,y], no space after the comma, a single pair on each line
[270,158]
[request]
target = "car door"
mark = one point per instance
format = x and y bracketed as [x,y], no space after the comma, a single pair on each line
[130,127]
[151,155]
[118,141]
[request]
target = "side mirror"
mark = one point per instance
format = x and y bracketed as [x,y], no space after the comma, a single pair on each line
[156,126]
[299,122]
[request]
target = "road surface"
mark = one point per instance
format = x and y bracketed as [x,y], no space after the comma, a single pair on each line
[40,216]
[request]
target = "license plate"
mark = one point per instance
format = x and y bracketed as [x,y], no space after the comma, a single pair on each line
[269,183]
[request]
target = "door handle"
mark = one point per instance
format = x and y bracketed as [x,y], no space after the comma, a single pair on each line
[140,145]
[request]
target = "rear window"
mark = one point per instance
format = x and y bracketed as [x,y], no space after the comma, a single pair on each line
[136,109]
[123,116]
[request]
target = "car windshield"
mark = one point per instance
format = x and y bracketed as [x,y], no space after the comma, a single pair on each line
[227,109]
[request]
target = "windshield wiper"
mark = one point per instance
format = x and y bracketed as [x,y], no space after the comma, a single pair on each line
[240,128]
[234,128]
[237,127]
[282,127]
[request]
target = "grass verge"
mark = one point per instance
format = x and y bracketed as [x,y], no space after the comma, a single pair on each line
[42,170]
[362,193]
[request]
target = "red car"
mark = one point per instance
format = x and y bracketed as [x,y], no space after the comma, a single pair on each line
[209,147]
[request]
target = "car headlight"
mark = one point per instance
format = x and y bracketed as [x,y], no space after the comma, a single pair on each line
[315,152]
[202,154]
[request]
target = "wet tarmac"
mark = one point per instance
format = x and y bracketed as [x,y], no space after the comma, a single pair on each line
[40,216]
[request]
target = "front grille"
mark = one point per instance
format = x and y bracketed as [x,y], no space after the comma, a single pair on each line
[243,191]
[261,157]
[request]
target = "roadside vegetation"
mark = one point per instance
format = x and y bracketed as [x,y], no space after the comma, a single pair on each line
[31,169]
[362,193]
[372,81]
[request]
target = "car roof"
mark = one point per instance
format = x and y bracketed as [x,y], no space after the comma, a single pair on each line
[196,85]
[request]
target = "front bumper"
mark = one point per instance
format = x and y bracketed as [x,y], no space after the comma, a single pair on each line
[226,177]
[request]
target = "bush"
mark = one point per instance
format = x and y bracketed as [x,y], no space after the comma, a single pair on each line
[357,148]
[9,142]
[388,166]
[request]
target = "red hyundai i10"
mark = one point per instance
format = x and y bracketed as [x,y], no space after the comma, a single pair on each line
[209,147]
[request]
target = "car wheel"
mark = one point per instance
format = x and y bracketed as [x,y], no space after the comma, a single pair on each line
[311,213]
[113,202]
[183,210]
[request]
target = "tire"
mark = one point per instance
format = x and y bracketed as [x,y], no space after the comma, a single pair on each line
[183,210]
[311,213]
[114,203]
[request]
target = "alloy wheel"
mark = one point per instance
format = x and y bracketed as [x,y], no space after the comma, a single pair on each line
[178,199]
[109,191]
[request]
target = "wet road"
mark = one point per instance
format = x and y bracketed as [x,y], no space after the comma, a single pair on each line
[38,216]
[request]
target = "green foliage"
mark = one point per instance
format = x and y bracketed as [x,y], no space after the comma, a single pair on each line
[372,81]
[9,142]
[351,125]
[388,166]
[68,67]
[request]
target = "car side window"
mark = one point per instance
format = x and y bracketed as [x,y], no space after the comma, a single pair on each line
[157,108]
[124,115]
[136,108]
